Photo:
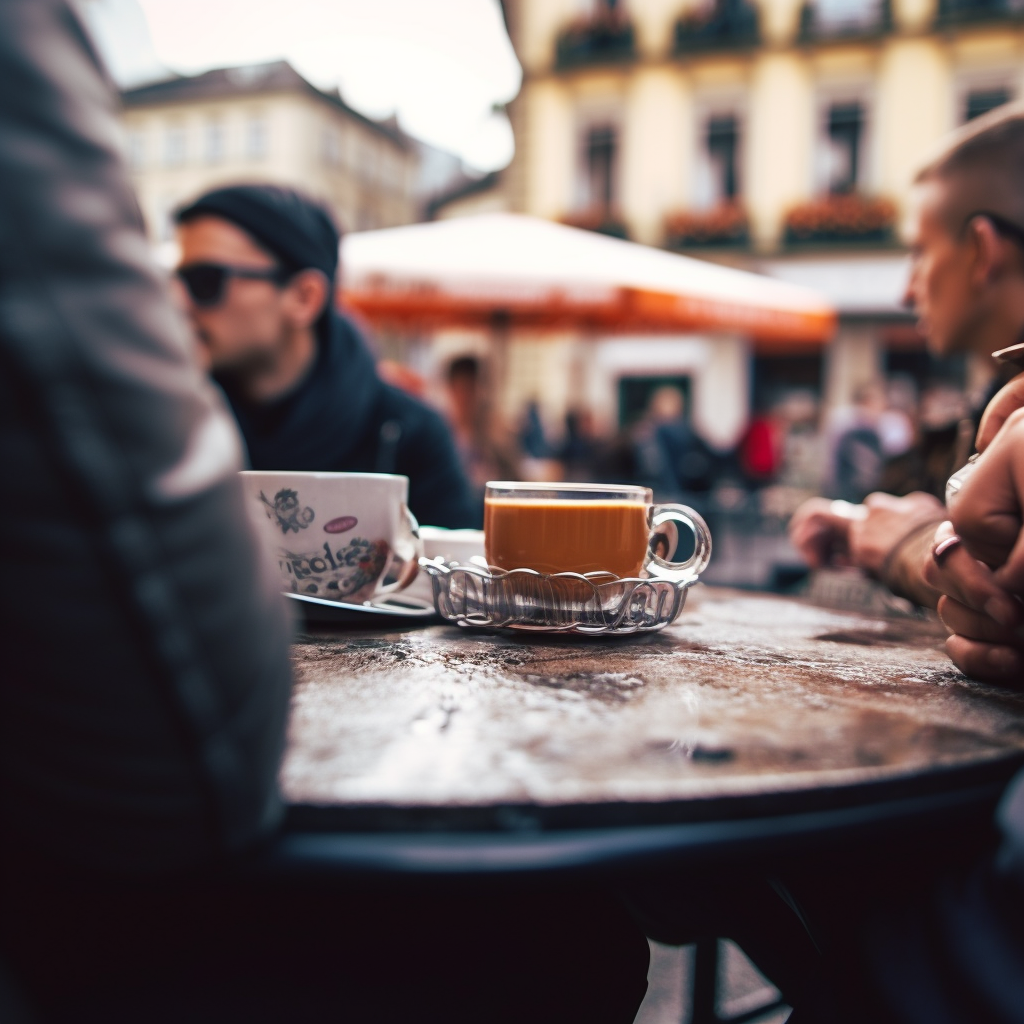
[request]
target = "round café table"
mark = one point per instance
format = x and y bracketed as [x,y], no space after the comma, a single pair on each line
[753,727]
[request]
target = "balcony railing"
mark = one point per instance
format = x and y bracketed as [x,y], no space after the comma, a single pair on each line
[606,38]
[723,226]
[967,12]
[605,221]
[841,218]
[818,24]
[727,25]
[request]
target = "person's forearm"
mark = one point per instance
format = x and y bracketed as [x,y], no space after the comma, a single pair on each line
[903,571]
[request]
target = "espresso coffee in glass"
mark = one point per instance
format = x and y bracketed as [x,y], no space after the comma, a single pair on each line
[587,528]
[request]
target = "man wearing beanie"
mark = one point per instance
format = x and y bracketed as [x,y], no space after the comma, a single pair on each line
[258,265]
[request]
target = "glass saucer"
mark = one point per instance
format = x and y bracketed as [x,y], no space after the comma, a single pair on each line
[594,604]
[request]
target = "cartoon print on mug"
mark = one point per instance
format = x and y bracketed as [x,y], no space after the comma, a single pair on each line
[345,537]
[349,573]
[285,508]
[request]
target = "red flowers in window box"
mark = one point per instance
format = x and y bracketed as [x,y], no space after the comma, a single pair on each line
[725,224]
[842,218]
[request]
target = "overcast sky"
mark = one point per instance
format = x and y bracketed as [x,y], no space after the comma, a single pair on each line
[440,65]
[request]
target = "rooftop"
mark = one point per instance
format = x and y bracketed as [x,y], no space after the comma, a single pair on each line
[463,188]
[248,80]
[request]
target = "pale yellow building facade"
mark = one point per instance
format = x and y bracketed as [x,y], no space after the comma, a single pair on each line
[774,135]
[264,123]
[910,68]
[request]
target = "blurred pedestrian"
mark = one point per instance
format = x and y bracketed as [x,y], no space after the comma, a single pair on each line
[580,449]
[483,454]
[761,449]
[672,458]
[943,420]
[798,413]
[258,266]
[533,440]
[857,455]
[897,424]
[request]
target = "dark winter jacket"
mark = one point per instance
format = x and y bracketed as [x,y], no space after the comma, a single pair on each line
[344,418]
[143,642]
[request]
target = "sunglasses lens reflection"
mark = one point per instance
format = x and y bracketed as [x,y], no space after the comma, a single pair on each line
[204,283]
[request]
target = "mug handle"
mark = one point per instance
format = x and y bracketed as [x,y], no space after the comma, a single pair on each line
[677,572]
[405,555]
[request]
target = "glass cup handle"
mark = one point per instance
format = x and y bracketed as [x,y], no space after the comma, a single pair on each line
[677,572]
[405,555]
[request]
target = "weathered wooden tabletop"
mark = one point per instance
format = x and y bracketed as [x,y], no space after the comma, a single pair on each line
[745,697]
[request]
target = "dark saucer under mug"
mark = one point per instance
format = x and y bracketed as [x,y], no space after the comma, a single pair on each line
[399,608]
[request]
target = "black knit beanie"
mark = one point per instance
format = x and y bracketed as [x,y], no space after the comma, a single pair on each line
[298,230]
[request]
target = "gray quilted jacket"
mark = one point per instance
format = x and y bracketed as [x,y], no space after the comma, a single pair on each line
[144,673]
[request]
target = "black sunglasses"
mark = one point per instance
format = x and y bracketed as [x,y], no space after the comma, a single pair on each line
[1000,223]
[206,281]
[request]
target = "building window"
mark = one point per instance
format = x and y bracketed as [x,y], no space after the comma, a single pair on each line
[331,147]
[214,141]
[256,137]
[136,148]
[599,184]
[718,181]
[351,149]
[839,17]
[174,145]
[981,101]
[844,147]
[367,165]
[392,171]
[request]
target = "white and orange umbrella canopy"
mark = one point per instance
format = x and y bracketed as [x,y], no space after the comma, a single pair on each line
[522,271]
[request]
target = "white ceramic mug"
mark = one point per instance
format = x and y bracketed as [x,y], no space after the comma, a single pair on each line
[337,536]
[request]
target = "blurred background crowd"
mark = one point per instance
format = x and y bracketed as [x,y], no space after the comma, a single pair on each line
[765,135]
[897,434]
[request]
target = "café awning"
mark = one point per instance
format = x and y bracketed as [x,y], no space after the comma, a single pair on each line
[518,271]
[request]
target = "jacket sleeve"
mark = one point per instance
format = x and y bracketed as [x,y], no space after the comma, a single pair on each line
[145,686]
[439,493]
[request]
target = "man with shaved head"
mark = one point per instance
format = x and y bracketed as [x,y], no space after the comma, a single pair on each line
[969,278]
[967,287]
[967,281]
[942,938]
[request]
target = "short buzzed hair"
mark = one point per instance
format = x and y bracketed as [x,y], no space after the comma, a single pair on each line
[983,164]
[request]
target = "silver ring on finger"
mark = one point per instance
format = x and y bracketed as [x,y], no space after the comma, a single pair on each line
[941,548]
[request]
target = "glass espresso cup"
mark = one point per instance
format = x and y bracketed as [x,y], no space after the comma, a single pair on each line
[587,528]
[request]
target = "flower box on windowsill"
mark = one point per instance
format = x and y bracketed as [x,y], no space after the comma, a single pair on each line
[723,226]
[730,25]
[841,218]
[604,222]
[606,38]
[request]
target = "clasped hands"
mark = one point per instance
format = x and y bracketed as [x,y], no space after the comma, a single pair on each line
[978,580]
[982,578]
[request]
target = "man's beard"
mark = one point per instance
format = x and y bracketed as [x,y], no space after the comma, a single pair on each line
[236,370]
